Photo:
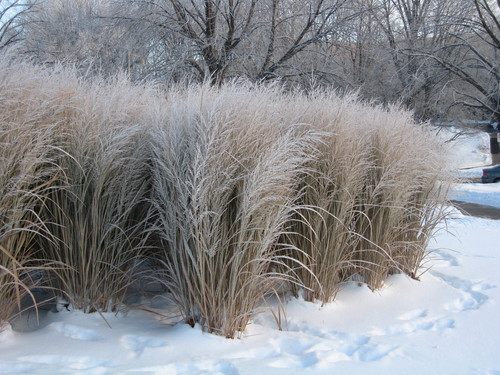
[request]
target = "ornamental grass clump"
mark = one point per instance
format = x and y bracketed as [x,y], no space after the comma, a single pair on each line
[371,195]
[227,194]
[405,195]
[93,208]
[26,172]
[98,213]
[224,188]
[330,187]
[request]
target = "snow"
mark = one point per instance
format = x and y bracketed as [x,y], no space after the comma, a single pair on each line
[446,323]
[485,194]
[468,150]
[478,193]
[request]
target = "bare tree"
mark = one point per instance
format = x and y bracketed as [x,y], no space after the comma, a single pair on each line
[209,31]
[254,38]
[294,26]
[82,32]
[359,58]
[419,52]
[414,28]
[11,25]
[480,66]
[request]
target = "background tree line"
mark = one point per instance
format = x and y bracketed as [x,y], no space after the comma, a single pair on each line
[438,57]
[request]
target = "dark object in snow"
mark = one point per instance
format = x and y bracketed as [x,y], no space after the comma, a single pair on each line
[491,174]
[34,312]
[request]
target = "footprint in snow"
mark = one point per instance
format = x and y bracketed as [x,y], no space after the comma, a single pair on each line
[445,258]
[293,345]
[322,354]
[482,286]
[418,325]
[470,301]
[201,367]
[413,314]
[302,361]
[266,352]
[371,353]
[15,368]
[294,352]
[71,362]
[350,338]
[76,332]
[472,298]
[137,344]
[326,347]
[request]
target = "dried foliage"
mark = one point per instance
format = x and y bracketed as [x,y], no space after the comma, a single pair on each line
[93,209]
[224,188]
[26,172]
[232,193]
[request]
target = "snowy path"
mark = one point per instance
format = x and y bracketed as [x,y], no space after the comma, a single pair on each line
[477,210]
[485,194]
[448,323]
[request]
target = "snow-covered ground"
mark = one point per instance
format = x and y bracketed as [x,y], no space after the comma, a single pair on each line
[485,194]
[468,150]
[446,323]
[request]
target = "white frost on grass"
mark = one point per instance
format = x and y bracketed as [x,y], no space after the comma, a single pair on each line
[447,323]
